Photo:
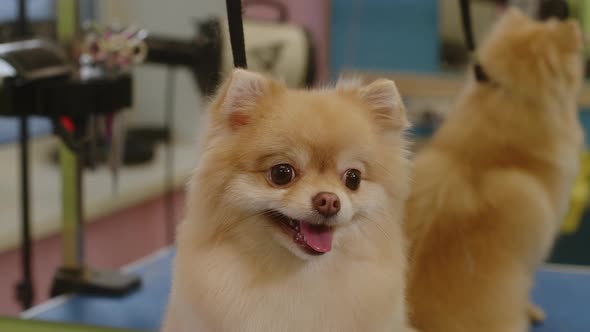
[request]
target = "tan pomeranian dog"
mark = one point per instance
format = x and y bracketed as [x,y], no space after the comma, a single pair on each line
[489,191]
[294,212]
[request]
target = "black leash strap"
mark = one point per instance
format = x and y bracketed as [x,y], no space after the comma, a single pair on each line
[467,28]
[480,74]
[553,8]
[236,32]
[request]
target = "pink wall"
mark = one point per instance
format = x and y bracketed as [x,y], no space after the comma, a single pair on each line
[313,15]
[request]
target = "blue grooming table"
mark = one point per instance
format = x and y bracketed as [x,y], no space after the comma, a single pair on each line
[141,310]
[563,291]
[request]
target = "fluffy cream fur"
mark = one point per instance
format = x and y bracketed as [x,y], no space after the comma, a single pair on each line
[491,188]
[235,270]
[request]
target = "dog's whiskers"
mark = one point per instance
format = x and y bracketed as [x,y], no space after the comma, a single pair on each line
[376,224]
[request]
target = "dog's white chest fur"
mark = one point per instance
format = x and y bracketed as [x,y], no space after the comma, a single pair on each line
[220,295]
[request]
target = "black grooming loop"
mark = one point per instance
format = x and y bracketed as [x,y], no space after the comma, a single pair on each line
[236,32]
[480,74]
[547,9]
[553,8]
[236,27]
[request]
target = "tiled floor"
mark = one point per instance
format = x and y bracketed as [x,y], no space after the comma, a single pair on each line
[111,242]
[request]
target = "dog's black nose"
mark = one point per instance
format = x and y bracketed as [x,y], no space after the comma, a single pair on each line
[327,204]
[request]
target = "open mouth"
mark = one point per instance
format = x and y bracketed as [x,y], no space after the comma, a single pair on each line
[312,238]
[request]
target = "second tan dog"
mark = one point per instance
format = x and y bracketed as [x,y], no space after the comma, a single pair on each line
[491,188]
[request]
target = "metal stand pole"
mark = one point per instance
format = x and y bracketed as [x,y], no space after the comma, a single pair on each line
[169,213]
[25,286]
[74,275]
[71,177]
[24,289]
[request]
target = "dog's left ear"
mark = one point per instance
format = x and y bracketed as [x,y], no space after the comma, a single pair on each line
[384,101]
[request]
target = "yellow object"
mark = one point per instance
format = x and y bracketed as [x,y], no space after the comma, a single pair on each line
[580,197]
[66,22]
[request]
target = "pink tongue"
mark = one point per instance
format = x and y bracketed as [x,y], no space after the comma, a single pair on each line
[319,238]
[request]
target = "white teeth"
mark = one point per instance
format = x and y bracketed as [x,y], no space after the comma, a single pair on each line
[299,238]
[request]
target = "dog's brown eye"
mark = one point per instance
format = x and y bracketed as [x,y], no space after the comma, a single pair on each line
[352,179]
[281,174]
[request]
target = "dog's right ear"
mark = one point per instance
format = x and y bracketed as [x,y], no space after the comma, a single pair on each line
[238,98]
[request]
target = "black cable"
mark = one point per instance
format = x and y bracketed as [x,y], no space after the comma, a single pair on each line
[169,211]
[480,74]
[236,32]
[22,24]
[24,289]
[25,286]
[467,28]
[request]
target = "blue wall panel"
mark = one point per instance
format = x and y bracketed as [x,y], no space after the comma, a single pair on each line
[384,35]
